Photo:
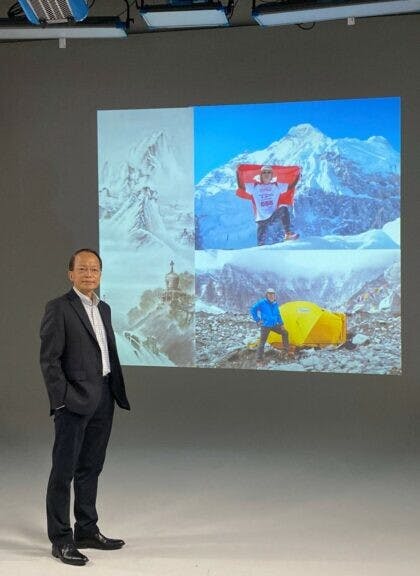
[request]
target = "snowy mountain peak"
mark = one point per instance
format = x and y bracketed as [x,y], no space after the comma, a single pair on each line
[378,140]
[305,131]
[149,152]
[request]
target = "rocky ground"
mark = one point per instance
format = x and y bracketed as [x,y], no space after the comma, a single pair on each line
[373,346]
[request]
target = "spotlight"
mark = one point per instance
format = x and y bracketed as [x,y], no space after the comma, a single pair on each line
[54,11]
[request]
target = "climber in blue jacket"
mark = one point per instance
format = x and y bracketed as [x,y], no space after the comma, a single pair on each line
[267,315]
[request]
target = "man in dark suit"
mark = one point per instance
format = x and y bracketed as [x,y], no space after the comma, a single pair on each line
[82,372]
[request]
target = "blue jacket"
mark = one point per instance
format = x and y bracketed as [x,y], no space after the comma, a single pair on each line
[266,311]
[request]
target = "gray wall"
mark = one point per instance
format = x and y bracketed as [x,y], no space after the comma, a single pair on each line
[48,209]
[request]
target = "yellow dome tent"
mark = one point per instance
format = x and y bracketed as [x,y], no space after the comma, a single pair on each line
[310,325]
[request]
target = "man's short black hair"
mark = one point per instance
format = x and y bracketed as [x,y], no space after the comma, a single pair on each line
[73,257]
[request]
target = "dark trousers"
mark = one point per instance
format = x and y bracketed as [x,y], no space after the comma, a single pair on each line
[269,231]
[79,454]
[265,331]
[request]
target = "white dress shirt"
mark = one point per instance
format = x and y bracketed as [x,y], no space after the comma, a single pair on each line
[92,310]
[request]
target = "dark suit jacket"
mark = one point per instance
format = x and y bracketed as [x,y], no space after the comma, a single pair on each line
[71,357]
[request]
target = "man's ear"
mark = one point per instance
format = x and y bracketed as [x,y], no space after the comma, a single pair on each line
[70,275]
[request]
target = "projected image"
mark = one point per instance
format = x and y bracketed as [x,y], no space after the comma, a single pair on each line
[335,173]
[285,256]
[302,199]
[147,233]
[341,310]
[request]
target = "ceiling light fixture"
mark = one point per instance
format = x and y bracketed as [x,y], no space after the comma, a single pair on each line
[301,11]
[191,14]
[90,28]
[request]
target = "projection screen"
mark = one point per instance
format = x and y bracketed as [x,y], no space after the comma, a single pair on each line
[220,224]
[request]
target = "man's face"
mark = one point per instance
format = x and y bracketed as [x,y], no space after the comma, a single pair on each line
[271,296]
[266,175]
[86,273]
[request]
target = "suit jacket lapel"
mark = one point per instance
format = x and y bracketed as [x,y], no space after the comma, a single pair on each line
[80,309]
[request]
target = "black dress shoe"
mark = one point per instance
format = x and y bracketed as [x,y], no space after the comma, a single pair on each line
[69,554]
[99,541]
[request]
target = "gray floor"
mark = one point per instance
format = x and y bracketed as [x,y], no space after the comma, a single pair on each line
[219,513]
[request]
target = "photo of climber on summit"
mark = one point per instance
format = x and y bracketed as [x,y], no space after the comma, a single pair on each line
[320,173]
